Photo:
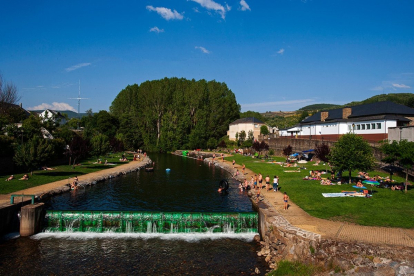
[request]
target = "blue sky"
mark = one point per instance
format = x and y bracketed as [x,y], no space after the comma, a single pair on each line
[274,55]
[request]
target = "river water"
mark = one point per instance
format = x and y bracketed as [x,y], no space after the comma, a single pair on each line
[188,186]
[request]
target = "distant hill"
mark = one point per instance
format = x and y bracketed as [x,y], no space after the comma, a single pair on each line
[399,98]
[70,114]
[313,107]
[406,99]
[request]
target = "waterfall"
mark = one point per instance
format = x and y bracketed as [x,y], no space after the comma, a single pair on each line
[150,222]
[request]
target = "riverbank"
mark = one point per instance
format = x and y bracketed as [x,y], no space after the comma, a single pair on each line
[295,235]
[61,186]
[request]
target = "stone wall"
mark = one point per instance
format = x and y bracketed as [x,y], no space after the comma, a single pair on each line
[283,241]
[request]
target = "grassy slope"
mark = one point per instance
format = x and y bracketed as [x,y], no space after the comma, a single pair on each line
[384,208]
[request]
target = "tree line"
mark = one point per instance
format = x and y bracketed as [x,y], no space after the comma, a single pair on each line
[172,113]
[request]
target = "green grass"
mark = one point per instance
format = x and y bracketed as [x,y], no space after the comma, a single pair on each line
[384,208]
[41,177]
[287,268]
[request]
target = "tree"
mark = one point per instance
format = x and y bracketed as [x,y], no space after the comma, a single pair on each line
[287,151]
[264,130]
[254,114]
[322,152]
[242,137]
[100,145]
[250,135]
[212,143]
[406,158]
[260,146]
[8,95]
[33,154]
[392,154]
[77,148]
[351,152]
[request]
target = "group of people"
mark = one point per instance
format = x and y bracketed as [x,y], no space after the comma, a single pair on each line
[24,177]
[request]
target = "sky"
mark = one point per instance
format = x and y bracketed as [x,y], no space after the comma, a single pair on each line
[277,55]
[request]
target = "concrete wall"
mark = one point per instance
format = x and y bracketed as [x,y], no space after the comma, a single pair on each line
[401,133]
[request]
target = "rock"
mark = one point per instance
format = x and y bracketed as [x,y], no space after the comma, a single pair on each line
[384,271]
[406,270]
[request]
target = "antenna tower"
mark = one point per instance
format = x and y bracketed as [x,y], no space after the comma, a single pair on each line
[79,100]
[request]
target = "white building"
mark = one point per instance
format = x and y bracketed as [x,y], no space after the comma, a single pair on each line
[52,115]
[371,121]
[246,125]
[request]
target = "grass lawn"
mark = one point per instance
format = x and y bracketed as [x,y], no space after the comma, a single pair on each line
[41,177]
[384,208]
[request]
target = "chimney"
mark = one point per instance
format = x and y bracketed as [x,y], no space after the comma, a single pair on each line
[21,105]
[346,112]
[324,115]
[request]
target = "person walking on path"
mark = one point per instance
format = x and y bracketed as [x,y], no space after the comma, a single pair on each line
[234,163]
[285,200]
[243,168]
[222,157]
[275,183]
[261,181]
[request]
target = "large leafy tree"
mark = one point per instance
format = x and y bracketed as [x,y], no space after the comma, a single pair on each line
[100,144]
[34,153]
[351,152]
[174,113]
[264,130]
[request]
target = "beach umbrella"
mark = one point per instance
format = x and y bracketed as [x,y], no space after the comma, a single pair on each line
[371,182]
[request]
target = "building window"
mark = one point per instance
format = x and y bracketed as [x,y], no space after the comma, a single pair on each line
[373,126]
[368,126]
[256,126]
[363,126]
[358,127]
[378,125]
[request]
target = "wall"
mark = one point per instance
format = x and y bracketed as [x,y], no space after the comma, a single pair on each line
[401,133]
[283,241]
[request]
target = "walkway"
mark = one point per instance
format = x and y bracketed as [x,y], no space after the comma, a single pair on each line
[5,199]
[333,229]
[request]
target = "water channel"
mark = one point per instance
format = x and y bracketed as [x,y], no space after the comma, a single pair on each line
[189,186]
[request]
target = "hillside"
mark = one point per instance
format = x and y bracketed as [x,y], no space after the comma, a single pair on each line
[313,107]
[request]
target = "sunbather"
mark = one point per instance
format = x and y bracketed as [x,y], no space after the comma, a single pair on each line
[10,178]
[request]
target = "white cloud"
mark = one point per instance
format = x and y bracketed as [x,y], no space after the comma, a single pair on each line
[281,51]
[400,85]
[211,5]
[204,50]
[156,30]
[244,5]
[166,13]
[53,106]
[77,66]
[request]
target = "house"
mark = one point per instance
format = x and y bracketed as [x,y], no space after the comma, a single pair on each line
[246,125]
[371,121]
[52,115]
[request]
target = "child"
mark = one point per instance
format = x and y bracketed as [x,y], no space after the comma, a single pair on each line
[275,183]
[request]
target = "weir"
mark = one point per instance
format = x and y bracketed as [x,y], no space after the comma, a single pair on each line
[150,222]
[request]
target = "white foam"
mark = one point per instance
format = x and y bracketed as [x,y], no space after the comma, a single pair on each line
[190,237]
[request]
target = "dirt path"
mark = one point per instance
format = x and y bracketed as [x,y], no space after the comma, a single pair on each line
[332,229]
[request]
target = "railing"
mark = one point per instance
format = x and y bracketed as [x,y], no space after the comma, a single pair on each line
[13,196]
